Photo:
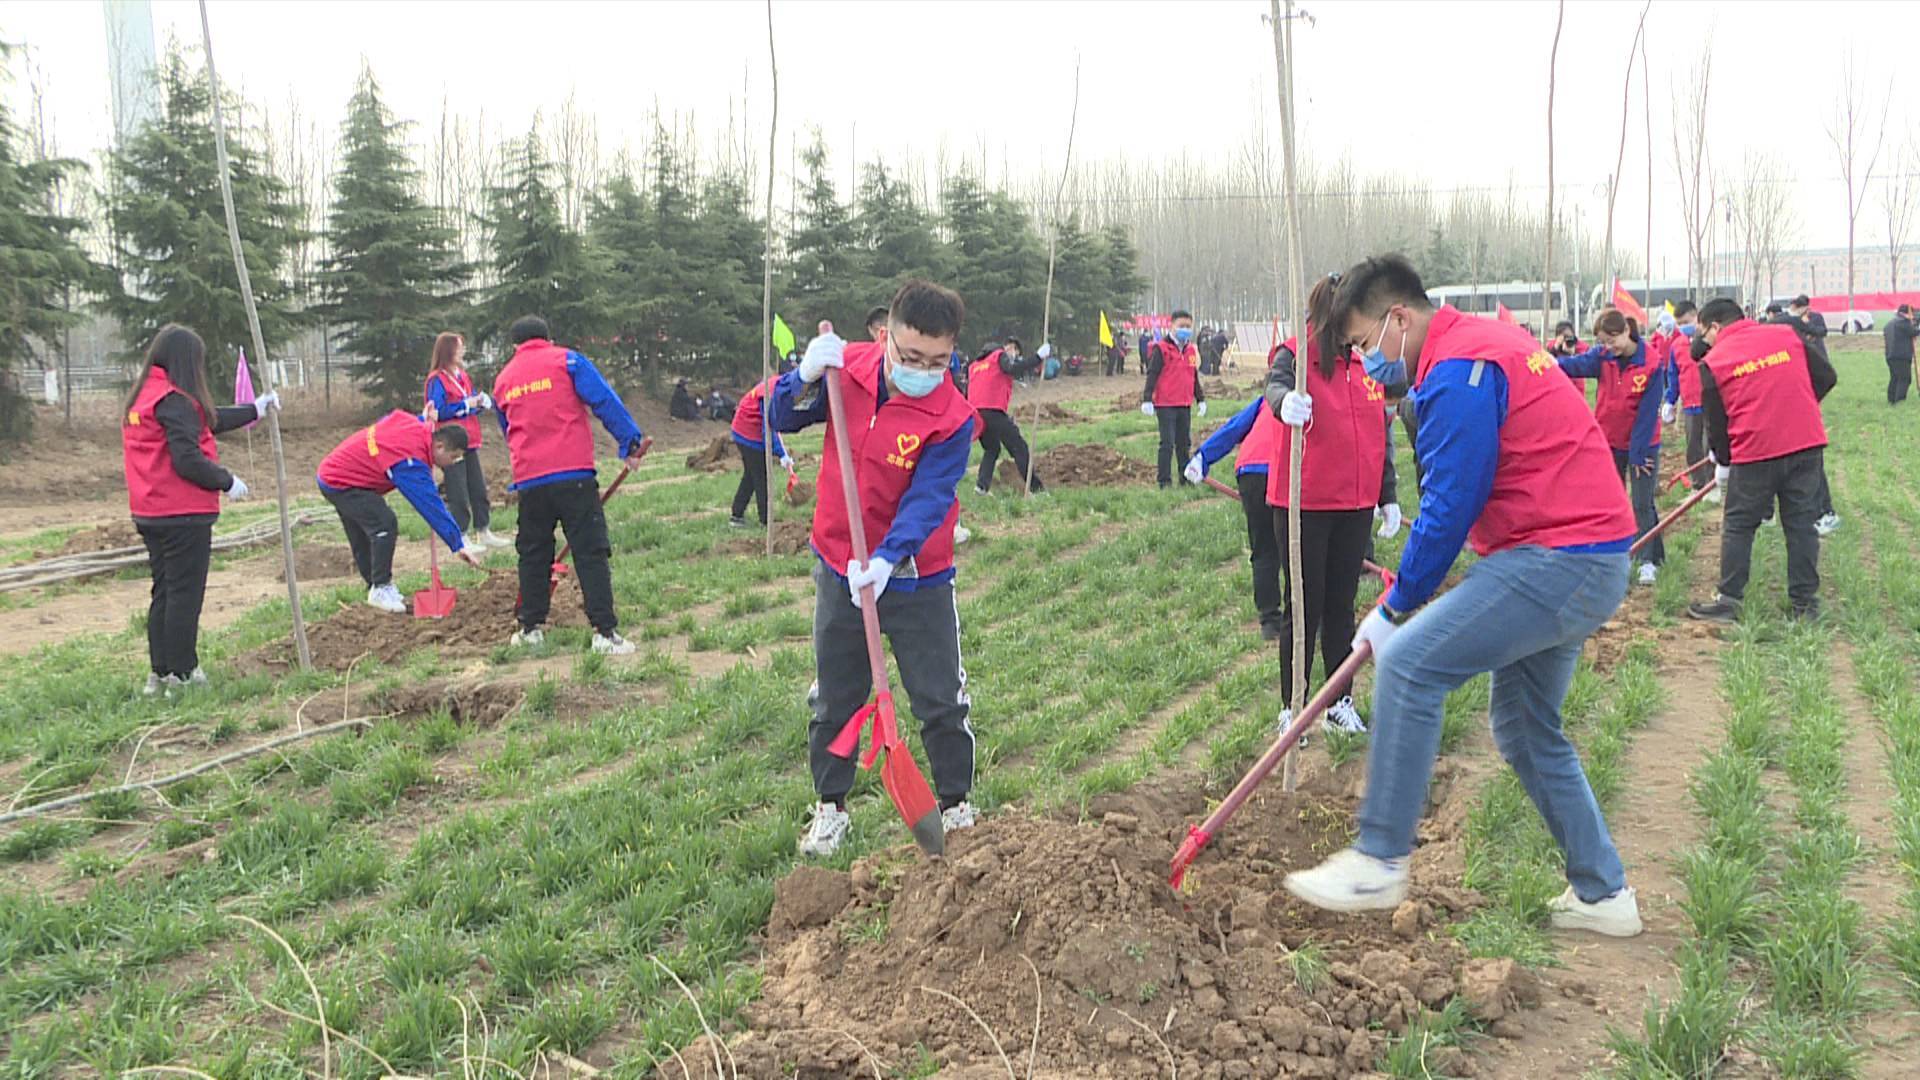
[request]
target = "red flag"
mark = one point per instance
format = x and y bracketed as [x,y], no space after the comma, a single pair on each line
[1628,306]
[1505,314]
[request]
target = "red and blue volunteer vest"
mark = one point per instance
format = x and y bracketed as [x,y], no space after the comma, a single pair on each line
[747,421]
[1680,349]
[547,423]
[987,386]
[458,386]
[1554,484]
[1257,447]
[1175,387]
[1618,401]
[1761,370]
[1346,445]
[361,461]
[886,448]
[154,490]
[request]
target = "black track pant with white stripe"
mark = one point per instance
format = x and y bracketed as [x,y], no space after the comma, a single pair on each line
[923,628]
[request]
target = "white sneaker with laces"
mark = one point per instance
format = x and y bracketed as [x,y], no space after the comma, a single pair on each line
[1649,573]
[826,831]
[386,598]
[961,534]
[1616,916]
[1351,882]
[1717,494]
[152,687]
[612,644]
[1282,722]
[1827,524]
[1342,716]
[958,816]
[528,639]
[492,539]
[198,678]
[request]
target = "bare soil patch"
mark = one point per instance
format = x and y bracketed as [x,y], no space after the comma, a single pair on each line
[718,455]
[790,537]
[318,562]
[1127,977]
[1082,465]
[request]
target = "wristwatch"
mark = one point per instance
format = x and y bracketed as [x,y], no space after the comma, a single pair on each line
[1397,618]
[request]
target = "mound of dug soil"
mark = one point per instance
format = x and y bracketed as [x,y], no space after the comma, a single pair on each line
[482,620]
[1067,941]
[790,536]
[108,537]
[717,456]
[1051,412]
[1081,465]
[317,562]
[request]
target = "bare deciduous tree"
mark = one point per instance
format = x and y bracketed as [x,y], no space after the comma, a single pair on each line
[1690,166]
[1762,212]
[1900,198]
[1854,132]
[1620,157]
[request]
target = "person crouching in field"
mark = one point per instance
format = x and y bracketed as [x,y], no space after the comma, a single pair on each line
[450,393]
[750,432]
[1632,384]
[543,397]
[396,452]
[1172,393]
[1517,465]
[174,481]
[990,392]
[912,433]
[1760,386]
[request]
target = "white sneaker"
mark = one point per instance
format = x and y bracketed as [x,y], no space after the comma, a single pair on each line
[1350,882]
[171,683]
[492,539]
[1342,716]
[1616,916]
[612,645]
[1827,525]
[152,687]
[961,534]
[813,695]
[958,816]
[198,678]
[1717,494]
[1282,722]
[826,832]
[1648,573]
[528,639]
[386,598]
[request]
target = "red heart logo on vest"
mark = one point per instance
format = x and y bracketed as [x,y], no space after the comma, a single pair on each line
[907,442]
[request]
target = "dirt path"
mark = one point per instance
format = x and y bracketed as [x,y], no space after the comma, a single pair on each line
[1607,982]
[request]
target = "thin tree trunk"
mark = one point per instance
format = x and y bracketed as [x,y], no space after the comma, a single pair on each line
[1297,308]
[1053,244]
[1620,158]
[1646,96]
[766,284]
[1553,69]
[259,348]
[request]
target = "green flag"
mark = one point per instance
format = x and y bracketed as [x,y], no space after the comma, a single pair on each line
[782,337]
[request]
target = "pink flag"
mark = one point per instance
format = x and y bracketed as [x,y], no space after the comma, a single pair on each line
[243,383]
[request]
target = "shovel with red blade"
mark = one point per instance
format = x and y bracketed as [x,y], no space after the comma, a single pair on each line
[899,774]
[436,600]
[560,561]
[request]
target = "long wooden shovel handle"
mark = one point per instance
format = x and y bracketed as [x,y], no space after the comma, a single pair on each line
[645,443]
[1683,474]
[856,526]
[1673,515]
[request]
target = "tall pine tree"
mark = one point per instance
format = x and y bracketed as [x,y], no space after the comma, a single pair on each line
[543,267]
[825,279]
[392,282]
[895,234]
[39,261]
[170,229]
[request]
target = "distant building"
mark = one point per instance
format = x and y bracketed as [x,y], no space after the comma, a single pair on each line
[1823,271]
[131,66]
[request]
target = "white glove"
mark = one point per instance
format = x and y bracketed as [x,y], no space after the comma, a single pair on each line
[1390,517]
[1376,630]
[786,462]
[823,352]
[1201,408]
[877,573]
[238,489]
[1046,350]
[1195,470]
[1146,408]
[1666,412]
[1296,409]
[486,401]
[1721,473]
[268,400]
[1666,322]
[471,554]
[471,403]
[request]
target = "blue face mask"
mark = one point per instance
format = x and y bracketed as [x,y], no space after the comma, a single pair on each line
[916,383]
[1380,369]
[1183,334]
[1690,329]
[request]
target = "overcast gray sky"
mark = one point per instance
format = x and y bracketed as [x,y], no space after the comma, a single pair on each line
[1450,93]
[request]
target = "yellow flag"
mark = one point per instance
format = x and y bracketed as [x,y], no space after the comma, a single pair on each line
[1669,307]
[1106,332]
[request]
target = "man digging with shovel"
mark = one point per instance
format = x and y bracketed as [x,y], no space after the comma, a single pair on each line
[1515,464]
[910,432]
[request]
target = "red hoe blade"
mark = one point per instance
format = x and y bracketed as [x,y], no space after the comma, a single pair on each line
[436,600]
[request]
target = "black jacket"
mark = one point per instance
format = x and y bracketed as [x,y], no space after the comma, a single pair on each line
[1899,334]
[1156,359]
[181,422]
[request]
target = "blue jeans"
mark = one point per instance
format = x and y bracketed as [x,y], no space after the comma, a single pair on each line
[1523,615]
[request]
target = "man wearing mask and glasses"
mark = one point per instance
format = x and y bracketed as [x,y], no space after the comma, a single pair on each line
[912,433]
[1517,465]
[1173,392]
